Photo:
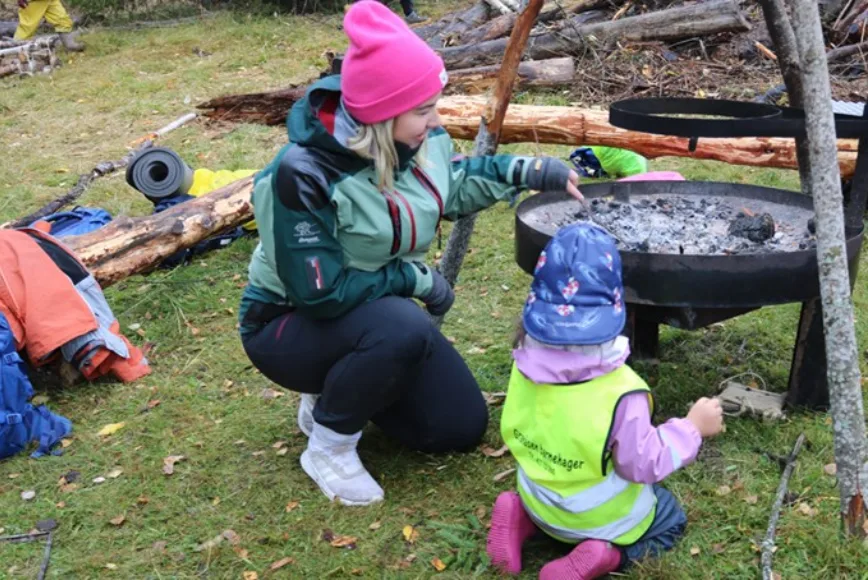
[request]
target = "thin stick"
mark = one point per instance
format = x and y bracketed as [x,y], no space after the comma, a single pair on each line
[44,568]
[489,134]
[23,538]
[769,541]
[101,169]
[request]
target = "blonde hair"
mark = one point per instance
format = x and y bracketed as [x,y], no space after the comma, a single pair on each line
[376,143]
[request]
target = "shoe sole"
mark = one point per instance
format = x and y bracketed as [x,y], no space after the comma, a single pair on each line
[311,471]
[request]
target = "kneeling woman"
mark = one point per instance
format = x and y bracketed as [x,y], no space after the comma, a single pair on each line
[346,213]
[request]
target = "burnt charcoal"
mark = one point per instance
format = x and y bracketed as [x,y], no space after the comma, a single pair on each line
[812,226]
[626,209]
[758,228]
[643,246]
[644,202]
[803,246]
[614,204]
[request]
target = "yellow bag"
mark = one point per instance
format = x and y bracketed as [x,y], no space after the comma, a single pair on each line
[205,181]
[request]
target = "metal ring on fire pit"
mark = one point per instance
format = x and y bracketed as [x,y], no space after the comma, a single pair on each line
[742,119]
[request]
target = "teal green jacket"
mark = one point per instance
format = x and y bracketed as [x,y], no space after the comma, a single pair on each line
[330,240]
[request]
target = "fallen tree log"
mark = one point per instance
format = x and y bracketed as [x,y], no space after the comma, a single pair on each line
[553,72]
[558,126]
[444,30]
[502,25]
[575,126]
[700,20]
[127,246]
[271,108]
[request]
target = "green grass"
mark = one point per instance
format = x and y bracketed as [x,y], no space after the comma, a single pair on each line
[211,406]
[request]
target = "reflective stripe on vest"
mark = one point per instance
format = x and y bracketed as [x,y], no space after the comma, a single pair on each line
[587,500]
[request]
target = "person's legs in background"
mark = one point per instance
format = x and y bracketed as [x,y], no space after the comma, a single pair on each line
[54,13]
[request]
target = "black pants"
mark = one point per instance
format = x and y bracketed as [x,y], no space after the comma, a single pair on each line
[383,362]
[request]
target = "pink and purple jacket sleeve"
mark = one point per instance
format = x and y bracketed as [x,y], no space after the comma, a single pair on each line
[643,453]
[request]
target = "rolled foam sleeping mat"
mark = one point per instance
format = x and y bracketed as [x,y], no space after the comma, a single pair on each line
[159,173]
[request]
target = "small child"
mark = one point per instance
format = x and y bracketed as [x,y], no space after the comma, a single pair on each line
[578,421]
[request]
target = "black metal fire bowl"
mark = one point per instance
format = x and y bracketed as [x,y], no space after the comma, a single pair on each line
[693,291]
[743,281]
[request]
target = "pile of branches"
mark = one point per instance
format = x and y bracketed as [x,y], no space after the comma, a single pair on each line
[625,48]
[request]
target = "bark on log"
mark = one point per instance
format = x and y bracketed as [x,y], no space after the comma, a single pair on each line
[502,25]
[842,352]
[843,52]
[127,246]
[576,126]
[553,72]
[675,23]
[271,108]
[555,126]
[442,32]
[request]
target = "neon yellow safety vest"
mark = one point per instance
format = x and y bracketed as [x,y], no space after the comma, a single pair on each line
[566,478]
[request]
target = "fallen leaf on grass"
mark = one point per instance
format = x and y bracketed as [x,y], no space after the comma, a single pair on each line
[410,534]
[14,475]
[169,463]
[776,576]
[98,480]
[694,551]
[251,576]
[491,452]
[60,505]
[215,502]
[241,552]
[152,404]
[279,445]
[160,547]
[344,542]
[111,566]
[718,549]
[831,469]
[118,521]
[493,399]
[376,526]
[724,490]
[807,510]
[291,506]
[438,564]
[283,451]
[64,443]
[269,394]
[751,499]
[111,429]
[115,473]
[142,500]
[228,535]
[476,350]
[281,563]
[504,474]
[28,495]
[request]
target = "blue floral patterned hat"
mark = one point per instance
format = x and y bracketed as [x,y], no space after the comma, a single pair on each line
[577,289]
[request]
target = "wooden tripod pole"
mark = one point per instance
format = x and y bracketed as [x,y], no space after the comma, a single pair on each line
[489,135]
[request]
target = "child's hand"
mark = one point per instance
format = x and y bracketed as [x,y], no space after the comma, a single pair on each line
[707,415]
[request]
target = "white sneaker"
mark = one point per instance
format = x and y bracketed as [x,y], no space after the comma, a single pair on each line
[332,462]
[305,412]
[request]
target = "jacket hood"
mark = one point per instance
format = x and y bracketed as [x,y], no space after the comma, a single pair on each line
[312,121]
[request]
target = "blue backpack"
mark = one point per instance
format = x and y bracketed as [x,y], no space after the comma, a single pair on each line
[20,421]
[79,220]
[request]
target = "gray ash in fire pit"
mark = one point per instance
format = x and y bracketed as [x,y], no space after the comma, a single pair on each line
[674,224]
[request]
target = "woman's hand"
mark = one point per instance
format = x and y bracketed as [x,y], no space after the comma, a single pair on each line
[552,174]
[573,186]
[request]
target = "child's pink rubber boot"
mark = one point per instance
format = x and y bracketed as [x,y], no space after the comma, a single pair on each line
[590,559]
[510,527]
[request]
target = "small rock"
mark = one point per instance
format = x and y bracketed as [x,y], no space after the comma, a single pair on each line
[28,495]
[46,525]
[812,226]
[99,480]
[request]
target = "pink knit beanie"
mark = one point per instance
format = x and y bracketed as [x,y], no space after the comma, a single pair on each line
[388,69]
